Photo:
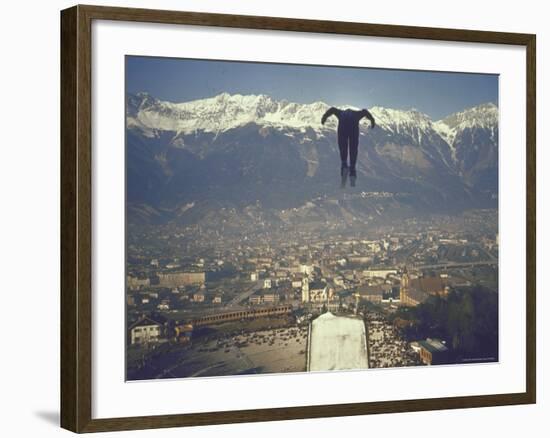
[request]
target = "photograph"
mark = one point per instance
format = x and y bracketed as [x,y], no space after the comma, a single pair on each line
[290,218]
[274,219]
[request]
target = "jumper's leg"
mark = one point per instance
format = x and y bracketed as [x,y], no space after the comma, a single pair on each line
[353,150]
[343,141]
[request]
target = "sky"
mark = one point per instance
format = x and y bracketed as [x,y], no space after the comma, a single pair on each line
[437,94]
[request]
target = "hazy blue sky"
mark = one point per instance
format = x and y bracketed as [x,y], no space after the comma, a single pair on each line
[434,93]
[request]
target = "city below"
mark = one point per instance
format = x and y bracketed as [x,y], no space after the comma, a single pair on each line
[209,301]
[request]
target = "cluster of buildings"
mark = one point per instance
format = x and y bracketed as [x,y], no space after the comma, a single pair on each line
[214,276]
[308,285]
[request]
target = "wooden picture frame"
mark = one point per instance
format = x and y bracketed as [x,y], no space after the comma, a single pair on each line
[76,217]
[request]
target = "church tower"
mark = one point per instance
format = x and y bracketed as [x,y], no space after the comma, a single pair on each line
[305,289]
[403,291]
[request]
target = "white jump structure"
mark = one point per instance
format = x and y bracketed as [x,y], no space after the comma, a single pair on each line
[337,343]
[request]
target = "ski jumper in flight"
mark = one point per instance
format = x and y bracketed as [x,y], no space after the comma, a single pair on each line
[348,135]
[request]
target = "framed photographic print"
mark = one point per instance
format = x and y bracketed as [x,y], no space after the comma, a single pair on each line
[270,218]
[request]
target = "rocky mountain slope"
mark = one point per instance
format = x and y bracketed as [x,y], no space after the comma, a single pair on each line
[187,160]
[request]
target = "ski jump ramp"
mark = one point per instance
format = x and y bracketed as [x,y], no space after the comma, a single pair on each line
[337,343]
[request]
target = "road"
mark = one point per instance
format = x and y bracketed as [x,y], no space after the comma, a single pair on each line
[245,294]
[458,264]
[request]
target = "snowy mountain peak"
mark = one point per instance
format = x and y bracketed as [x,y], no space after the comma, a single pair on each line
[388,117]
[483,116]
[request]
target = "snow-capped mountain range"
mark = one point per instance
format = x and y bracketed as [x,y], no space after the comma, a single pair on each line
[249,147]
[226,111]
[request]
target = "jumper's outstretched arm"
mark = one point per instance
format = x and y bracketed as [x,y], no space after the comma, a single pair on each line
[330,112]
[368,115]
